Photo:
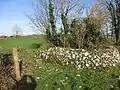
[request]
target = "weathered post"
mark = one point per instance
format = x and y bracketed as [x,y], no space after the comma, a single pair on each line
[16,64]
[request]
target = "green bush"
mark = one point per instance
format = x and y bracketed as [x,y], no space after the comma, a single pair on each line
[35,45]
[6,70]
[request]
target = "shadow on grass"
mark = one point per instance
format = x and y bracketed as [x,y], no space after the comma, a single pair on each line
[26,83]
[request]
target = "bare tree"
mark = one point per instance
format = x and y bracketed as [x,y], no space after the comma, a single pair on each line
[41,18]
[69,8]
[17,31]
[45,18]
[113,6]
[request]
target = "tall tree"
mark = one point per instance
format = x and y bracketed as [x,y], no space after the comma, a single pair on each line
[52,22]
[52,18]
[68,8]
[113,7]
[44,18]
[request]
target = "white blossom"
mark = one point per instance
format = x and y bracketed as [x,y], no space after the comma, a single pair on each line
[38,78]
[86,53]
[87,65]
[67,63]
[79,66]
[84,58]
[48,53]
[93,61]
[39,67]
[104,65]
[80,86]
[83,50]
[66,77]
[67,52]
[73,56]
[97,64]
[46,57]
[58,89]
[78,75]
[90,56]
[114,65]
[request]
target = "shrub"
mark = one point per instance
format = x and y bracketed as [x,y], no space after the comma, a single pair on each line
[35,45]
[6,71]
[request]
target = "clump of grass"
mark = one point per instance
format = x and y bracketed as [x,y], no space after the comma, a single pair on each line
[35,45]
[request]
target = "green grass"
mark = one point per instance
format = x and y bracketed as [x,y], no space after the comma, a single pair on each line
[20,42]
[56,77]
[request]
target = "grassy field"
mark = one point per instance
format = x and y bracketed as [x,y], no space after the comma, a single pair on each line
[56,77]
[21,42]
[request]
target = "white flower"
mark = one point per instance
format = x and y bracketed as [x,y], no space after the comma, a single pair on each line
[117,55]
[119,77]
[69,56]
[78,75]
[54,52]
[72,49]
[104,65]
[97,60]
[90,56]
[114,65]
[79,66]
[97,64]
[83,50]
[38,78]
[76,53]
[46,57]
[67,52]
[73,56]
[60,54]
[111,86]
[58,89]
[40,67]
[107,56]
[77,62]
[84,58]
[104,54]
[48,53]
[80,86]
[86,54]
[72,62]
[95,56]
[36,65]
[43,54]
[23,62]
[94,67]
[49,49]
[66,77]
[67,63]
[93,61]
[87,65]
[77,56]
[61,49]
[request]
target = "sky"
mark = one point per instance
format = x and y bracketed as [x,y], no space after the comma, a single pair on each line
[14,12]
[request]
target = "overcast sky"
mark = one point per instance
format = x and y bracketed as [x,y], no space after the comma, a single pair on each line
[13,12]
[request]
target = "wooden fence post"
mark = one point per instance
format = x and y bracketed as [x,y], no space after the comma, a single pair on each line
[16,64]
